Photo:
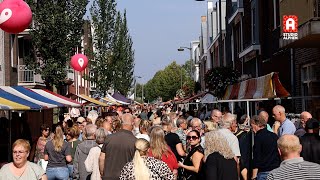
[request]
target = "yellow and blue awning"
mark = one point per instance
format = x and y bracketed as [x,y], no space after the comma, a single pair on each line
[21,98]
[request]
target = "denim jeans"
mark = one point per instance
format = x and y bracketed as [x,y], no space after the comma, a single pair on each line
[262,175]
[60,173]
[70,168]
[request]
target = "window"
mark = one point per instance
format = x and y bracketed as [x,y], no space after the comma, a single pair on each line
[308,73]
[253,21]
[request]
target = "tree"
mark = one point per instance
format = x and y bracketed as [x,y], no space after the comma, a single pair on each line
[57,33]
[123,56]
[165,83]
[103,13]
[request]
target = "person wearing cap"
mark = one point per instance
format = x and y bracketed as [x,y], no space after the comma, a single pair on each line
[81,124]
[311,142]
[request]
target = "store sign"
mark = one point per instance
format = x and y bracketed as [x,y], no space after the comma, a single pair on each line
[290,27]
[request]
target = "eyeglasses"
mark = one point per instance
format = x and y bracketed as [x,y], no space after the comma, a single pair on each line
[19,152]
[192,137]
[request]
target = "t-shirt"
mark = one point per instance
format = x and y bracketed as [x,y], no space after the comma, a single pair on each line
[172,140]
[33,171]
[119,149]
[57,159]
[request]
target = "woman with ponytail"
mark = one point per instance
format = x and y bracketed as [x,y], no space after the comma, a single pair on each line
[58,153]
[143,167]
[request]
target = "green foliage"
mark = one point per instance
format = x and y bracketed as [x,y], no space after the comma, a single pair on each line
[218,79]
[56,34]
[165,83]
[113,60]
[103,13]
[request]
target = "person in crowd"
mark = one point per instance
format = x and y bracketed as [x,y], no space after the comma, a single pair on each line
[116,125]
[225,130]
[144,127]
[136,124]
[188,115]
[41,143]
[72,135]
[157,118]
[219,158]
[21,168]
[173,120]
[81,121]
[244,137]
[58,153]
[117,150]
[143,167]
[191,166]
[265,153]
[159,149]
[79,170]
[265,116]
[196,124]
[216,116]
[127,110]
[304,117]
[173,141]
[144,114]
[92,161]
[293,166]
[107,125]
[311,142]
[182,127]
[99,122]
[202,113]
[286,126]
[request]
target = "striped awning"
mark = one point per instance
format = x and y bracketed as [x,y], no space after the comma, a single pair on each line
[91,100]
[268,86]
[10,105]
[57,97]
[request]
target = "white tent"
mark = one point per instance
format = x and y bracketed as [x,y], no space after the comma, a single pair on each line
[208,98]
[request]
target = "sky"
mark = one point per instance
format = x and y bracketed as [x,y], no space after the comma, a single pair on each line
[158,28]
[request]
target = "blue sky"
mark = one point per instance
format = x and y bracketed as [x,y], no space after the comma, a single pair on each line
[158,28]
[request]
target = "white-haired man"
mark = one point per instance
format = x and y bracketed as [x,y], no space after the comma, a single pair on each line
[225,129]
[293,166]
[197,124]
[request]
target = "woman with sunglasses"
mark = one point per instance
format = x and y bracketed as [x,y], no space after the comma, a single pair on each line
[191,166]
[41,143]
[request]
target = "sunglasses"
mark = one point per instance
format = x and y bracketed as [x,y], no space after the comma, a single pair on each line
[192,137]
[126,112]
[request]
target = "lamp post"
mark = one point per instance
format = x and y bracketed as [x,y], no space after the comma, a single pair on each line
[135,86]
[182,48]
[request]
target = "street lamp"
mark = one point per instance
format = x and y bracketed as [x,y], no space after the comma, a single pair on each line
[135,86]
[182,48]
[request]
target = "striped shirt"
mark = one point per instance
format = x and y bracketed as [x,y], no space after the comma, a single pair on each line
[297,168]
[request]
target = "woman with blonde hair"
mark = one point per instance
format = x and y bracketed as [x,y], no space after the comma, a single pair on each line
[219,158]
[159,149]
[58,153]
[21,168]
[143,167]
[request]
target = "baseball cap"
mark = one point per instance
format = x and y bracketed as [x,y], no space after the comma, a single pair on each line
[81,120]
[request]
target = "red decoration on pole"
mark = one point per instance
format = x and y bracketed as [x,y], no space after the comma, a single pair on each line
[15,16]
[79,62]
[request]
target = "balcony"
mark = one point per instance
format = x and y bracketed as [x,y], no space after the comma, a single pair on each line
[27,78]
[237,11]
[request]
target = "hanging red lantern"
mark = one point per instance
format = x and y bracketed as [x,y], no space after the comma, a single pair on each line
[79,62]
[15,16]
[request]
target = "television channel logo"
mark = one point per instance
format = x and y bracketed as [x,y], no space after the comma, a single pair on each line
[290,27]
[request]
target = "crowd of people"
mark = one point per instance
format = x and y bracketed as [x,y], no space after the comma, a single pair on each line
[163,143]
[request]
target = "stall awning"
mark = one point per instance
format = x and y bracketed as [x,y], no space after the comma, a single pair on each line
[31,96]
[268,86]
[8,96]
[208,98]
[111,101]
[121,98]
[118,101]
[57,97]
[10,105]
[91,100]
